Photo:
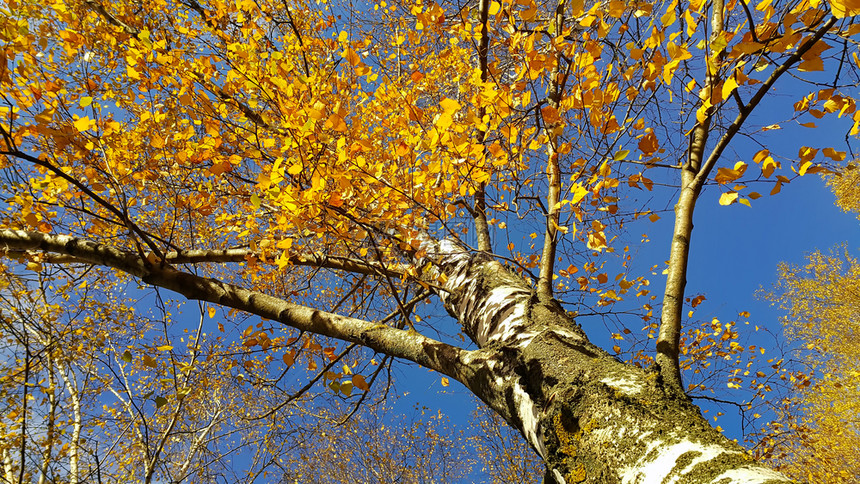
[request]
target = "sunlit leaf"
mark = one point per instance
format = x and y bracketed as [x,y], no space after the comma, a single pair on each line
[82,124]
[728,198]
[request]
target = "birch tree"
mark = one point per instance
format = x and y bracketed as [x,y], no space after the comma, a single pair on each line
[334,171]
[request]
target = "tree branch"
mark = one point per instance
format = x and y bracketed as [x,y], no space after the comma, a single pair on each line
[668,342]
[408,345]
[550,241]
[203,256]
[482,228]
[694,175]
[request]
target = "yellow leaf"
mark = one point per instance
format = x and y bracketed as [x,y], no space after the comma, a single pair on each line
[444,382]
[82,124]
[578,193]
[702,112]
[760,156]
[807,154]
[669,17]
[803,168]
[85,101]
[449,105]
[725,175]
[729,86]
[212,312]
[561,229]
[728,198]
[768,166]
[494,8]
[165,348]
[443,121]
[156,141]
[143,36]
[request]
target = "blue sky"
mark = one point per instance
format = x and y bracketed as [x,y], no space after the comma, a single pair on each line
[735,252]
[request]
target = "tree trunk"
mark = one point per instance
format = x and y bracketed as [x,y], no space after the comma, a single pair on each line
[590,417]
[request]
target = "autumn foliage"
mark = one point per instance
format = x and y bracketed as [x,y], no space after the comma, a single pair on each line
[303,150]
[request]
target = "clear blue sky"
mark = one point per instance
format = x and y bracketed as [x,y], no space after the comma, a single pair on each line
[735,252]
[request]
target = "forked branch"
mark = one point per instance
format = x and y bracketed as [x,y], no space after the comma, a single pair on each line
[695,172]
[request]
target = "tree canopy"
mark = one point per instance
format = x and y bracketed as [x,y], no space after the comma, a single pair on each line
[817,437]
[214,210]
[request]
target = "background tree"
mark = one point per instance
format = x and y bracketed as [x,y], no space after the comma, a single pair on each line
[320,171]
[818,436]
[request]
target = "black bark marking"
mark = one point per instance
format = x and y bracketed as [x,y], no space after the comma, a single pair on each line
[492,324]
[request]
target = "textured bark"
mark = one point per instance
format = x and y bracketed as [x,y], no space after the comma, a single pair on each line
[591,417]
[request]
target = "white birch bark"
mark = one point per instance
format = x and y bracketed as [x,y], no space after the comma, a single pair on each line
[590,417]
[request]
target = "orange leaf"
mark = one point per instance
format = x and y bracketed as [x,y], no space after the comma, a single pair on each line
[833,154]
[776,188]
[352,57]
[550,115]
[649,144]
[149,361]
[360,383]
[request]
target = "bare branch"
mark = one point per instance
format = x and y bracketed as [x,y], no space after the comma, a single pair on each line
[408,345]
